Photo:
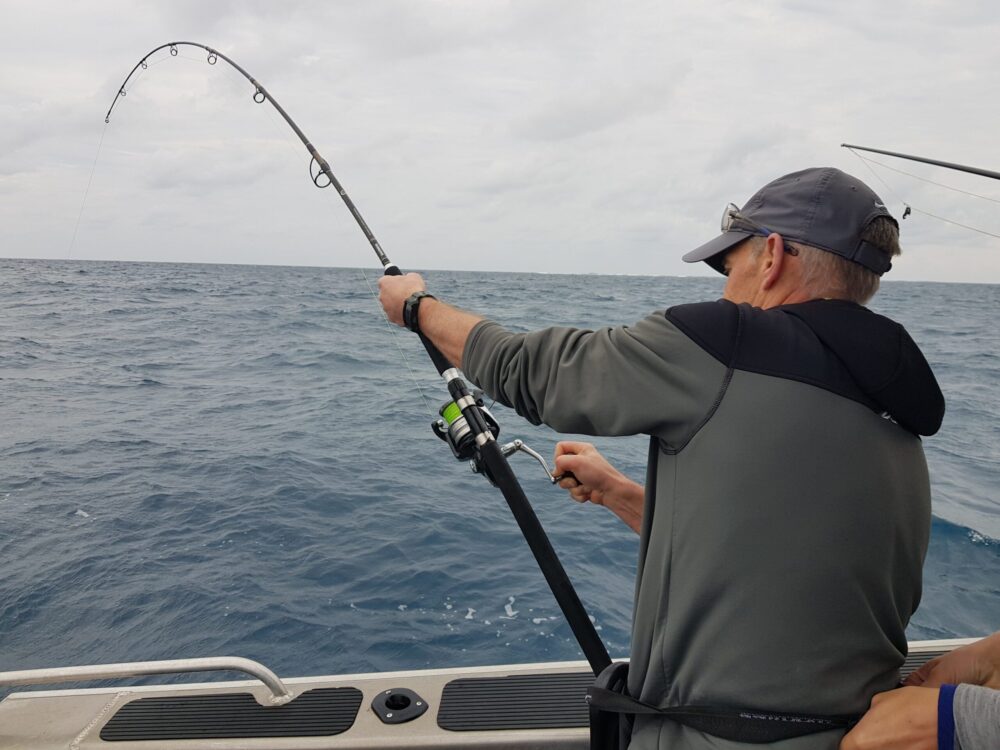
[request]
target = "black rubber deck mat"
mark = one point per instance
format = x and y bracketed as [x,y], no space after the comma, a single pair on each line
[533,701]
[319,712]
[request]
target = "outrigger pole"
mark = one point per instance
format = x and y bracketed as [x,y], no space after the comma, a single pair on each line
[935,162]
[482,429]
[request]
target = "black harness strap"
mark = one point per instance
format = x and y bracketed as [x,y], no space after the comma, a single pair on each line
[754,726]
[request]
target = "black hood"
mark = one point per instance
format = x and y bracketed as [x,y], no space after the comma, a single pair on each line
[881,358]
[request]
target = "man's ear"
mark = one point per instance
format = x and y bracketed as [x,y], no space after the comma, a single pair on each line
[772,260]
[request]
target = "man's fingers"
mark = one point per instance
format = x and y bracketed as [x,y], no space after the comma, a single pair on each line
[571,447]
[566,463]
[920,676]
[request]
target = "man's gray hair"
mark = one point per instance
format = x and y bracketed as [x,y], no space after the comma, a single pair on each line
[825,274]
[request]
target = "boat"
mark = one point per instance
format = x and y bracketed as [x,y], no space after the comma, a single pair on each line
[516,706]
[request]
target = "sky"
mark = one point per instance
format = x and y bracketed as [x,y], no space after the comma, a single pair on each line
[558,136]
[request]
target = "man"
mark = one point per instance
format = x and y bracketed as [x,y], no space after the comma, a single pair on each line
[931,713]
[786,509]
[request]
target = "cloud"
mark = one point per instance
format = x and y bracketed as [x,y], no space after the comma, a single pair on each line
[565,135]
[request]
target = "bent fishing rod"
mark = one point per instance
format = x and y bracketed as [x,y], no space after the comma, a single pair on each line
[466,424]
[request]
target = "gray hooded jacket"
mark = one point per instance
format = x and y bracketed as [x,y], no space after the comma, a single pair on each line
[787,506]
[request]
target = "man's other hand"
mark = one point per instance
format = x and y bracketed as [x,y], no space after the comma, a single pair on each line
[903,719]
[976,664]
[595,480]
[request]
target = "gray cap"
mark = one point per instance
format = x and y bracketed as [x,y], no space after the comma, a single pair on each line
[821,207]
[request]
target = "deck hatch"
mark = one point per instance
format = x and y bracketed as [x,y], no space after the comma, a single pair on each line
[534,701]
[320,712]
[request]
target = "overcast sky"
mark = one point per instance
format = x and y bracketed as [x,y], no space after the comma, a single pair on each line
[557,136]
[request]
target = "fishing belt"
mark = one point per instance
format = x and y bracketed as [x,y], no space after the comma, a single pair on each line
[612,712]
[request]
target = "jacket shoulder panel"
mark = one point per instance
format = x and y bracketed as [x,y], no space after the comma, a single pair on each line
[768,342]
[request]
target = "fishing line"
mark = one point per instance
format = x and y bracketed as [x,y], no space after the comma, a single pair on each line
[394,336]
[76,227]
[86,192]
[93,167]
[142,72]
[956,223]
[271,117]
[914,208]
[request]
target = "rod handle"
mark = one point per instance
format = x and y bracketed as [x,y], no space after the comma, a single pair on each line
[439,360]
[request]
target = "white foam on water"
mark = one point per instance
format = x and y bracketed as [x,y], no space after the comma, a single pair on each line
[470,613]
[401,607]
[509,609]
[79,512]
[975,537]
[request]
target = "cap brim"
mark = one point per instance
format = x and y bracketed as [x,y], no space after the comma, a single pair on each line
[714,251]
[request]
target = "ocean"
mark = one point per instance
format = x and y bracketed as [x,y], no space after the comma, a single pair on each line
[203,460]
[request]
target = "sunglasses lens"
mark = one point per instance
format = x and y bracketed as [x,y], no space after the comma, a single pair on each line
[729,216]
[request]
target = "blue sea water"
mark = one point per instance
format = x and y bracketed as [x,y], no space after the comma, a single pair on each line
[201,460]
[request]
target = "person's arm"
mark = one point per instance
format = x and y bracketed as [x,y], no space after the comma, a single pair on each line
[977,718]
[649,378]
[977,664]
[597,481]
[908,717]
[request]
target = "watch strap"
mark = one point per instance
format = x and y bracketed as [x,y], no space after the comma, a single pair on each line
[411,310]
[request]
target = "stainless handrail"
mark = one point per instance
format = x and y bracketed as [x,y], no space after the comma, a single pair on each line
[279,693]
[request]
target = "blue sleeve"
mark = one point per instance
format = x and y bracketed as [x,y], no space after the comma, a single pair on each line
[946,718]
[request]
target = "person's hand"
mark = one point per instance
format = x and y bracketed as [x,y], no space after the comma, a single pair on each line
[902,719]
[594,479]
[393,291]
[977,664]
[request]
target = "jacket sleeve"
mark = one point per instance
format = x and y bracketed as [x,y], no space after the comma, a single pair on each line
[648,378]
[977,718]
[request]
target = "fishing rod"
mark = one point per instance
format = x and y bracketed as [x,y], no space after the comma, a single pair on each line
[925,160]
[466,424]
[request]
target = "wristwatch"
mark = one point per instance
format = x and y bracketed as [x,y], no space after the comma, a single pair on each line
[411,309]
